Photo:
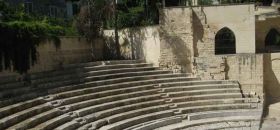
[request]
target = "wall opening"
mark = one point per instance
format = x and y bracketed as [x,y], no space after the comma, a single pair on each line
[171,3]
[225,42]
[272,41]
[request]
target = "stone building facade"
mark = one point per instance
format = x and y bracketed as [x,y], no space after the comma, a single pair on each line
[188,43]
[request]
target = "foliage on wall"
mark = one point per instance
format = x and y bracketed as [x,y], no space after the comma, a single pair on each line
[20,34]
[19,40]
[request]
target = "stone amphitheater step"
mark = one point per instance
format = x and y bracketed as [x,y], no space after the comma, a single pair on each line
[97,94]
[217,107]
[52,123]
[178,119]
[77,69]
[19,99]
[108,81]
[37,119]
[91,74]
[130,121]
[224,113]
[127,80]
[103,63]
[233,125]
[9,93]
[69,119]
[120,76]
[137,113]
[120,95]
[204,91]
[100,107]
[197,82]
[191,124]
[23,115]
[117,110]
[205,97]
[90,87]
[125,115]
[86,108]
[200,87]
[136,120]
[8,79]
[111,91]
[103,105]
[110,101]
[170,82]
[8,84]
[216,101]
[102,96]
[207,101]
[99,123]
[8,110]
[157,123]
[47,81]
[11,85]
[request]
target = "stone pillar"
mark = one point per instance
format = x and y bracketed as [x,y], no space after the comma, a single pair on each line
[163,3]
[69,7]
[194,2]
[275,2]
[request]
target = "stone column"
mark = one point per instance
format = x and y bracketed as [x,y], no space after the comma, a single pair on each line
[194,2]
[275,2]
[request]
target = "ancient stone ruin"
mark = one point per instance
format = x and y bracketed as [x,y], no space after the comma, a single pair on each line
[201,68]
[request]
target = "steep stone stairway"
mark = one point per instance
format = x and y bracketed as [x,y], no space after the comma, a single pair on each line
[124,95]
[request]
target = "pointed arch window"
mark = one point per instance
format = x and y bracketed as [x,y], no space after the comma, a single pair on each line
[225,42]
[272,41]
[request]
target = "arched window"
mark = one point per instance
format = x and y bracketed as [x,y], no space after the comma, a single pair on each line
[272,40]
[225,42]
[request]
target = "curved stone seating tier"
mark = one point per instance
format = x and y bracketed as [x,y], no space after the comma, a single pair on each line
[124,95]
[231,122]
[16,87]
[37,91]
[88,69]
[92,74]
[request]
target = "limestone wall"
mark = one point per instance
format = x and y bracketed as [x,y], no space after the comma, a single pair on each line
[188,32]
[70,50]
[138,43]
[209,20]
[272,77]
[176,37]
[245,68]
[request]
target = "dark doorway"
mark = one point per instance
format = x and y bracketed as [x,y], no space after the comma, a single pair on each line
[272,41]
[225,42]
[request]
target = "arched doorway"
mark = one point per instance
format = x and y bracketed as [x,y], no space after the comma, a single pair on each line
[272,41]
[225,42]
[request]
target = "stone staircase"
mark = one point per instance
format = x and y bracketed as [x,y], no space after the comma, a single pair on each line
[124,95]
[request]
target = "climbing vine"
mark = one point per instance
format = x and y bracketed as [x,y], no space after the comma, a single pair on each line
[18,42]
[20,34]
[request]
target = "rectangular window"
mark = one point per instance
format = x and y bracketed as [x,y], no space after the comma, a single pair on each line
[75,8]
[28,7]
[53,11]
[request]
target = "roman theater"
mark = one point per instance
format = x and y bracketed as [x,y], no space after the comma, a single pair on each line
[213,67]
